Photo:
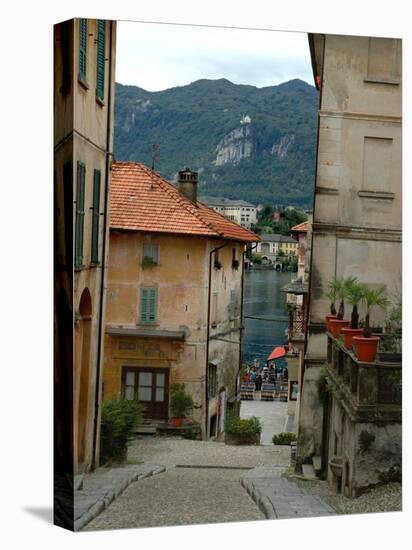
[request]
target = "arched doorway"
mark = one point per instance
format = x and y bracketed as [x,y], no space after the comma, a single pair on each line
[83,376]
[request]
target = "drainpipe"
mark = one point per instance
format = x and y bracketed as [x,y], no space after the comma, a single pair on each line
[208,334]
[109,154]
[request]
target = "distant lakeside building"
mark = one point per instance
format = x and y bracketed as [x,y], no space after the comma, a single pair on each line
[272,243]
[239,211]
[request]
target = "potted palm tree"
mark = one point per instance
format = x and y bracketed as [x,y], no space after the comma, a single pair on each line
[353,295]
[339,322]
[366,345]
[332,294]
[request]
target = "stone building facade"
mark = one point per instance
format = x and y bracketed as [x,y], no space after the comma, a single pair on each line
[356,221]
[174,298]
[84,75]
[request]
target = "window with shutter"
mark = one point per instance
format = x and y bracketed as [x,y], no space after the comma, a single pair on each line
[68,212]
[95,217]
[148,306]
[150,253]
[101,32]
[81,173]
[82,49]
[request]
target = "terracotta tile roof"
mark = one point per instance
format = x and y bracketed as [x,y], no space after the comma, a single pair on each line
[144,201]
[302,227]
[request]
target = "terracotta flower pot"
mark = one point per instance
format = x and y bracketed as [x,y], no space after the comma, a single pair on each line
[176,422]
[348,334]
[327,319]
[336,325]
[365,348]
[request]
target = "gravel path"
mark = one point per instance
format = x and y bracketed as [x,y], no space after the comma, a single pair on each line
[180,496]
[176,450]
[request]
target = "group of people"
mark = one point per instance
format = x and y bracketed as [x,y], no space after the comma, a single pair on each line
[266,374]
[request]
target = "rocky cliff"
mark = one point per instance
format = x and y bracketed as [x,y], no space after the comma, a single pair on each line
[248,142]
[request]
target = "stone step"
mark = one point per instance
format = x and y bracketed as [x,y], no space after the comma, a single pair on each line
[308,471]
[145,429]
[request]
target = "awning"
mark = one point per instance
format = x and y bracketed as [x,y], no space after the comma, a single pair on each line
[146,333]
[277,353]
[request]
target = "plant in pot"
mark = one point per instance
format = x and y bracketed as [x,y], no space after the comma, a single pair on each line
[332,294]
[336,324]
[353,295]
[180,401]
[366,345]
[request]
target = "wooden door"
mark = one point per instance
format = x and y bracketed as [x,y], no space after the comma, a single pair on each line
[149,386]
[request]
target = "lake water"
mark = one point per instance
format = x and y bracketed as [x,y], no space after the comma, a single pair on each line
[264,299]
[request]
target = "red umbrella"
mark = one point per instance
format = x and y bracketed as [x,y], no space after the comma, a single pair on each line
[277,353]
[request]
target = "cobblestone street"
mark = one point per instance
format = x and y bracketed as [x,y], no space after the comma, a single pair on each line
[207,482]
[191,494]
[204,481]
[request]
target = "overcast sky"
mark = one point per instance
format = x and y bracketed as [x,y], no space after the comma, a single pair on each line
[158,56]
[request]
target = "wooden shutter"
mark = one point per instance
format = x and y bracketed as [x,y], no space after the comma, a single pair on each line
[68,212]
[82,49]
[101,32]
[148,305]
[81,173]
[95,217]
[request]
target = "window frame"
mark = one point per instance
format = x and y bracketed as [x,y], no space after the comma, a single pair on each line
[148,315]
[80,209]
[94,255]
[83,36]
[100,59]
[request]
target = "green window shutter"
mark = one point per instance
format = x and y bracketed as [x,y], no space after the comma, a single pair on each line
[143,305]
[82,48]
[68,212]
[148,305]
[81,173]
[152,305]
[101,38]
[96,216]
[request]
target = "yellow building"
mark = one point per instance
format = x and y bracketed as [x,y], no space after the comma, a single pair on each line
[288,245]
[84,63]
[174,297]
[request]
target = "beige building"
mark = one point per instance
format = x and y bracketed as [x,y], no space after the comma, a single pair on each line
[239,211]
[356,232]
[84,70]
[174,298]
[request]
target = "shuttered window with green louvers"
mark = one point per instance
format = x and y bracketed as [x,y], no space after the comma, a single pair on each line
[68,212]
[148,306]
[101,39]
[95,217]
[80,184]
[83,49]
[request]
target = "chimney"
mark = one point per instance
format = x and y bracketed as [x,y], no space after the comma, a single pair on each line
[188,184]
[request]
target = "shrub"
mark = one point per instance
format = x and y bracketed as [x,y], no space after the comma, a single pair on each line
[180,401]
[242,427]
[283,438]
[119,416]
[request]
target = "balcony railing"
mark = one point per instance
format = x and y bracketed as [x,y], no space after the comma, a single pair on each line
[365,388]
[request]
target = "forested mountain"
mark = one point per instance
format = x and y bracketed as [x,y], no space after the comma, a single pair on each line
[257,144]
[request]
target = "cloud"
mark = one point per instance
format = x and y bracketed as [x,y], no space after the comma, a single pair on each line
[156,57]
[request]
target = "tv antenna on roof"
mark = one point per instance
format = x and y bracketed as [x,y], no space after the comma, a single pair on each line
[155,147]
